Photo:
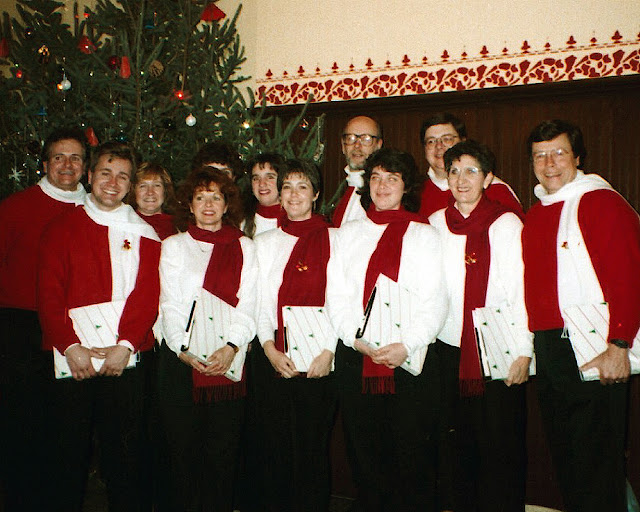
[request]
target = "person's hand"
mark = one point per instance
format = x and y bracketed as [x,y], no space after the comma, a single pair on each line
[321,365]
[79,361]
[190,360]
[391,356]
[612,364]
[363,348]
[518,371]
[280,362]
[116,358]
[220,361]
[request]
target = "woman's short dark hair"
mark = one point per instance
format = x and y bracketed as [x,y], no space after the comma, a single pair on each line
[482,154]
[219,153]
[203,178]
[393,160]
[276,161]
[147,170]
[550,129]
[306,168]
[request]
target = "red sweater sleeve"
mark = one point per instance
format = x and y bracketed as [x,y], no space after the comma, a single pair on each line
[141,308]
[53,274]
[611,231]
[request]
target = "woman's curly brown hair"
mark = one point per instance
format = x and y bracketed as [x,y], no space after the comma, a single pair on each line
[202,178]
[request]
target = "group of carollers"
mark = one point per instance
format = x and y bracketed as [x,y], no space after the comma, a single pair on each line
[177,431]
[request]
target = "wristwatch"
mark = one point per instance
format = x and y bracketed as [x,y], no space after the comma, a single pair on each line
[619,343]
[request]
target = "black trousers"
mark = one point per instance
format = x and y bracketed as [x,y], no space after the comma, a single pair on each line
[448,358]
[391,438]
[491,445]
[585,424]
[297,416]
[25,373]
[114,407]
[202,442]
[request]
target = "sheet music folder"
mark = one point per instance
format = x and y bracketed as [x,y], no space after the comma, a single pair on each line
[96,326]
[208,329]
[588,328]
[388,310]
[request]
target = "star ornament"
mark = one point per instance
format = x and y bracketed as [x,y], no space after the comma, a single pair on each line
[16,175]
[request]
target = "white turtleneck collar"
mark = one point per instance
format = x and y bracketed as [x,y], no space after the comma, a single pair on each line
[123,218]
[580,185]
[442,184]
[354,178]
[65,196]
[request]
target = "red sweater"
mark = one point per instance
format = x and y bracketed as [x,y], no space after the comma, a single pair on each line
[75,270]
[611,232]
[434,199]
[23,218]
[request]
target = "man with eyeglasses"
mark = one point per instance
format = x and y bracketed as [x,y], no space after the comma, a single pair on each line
[438,133]
[23,365]
[581,248]
[361,137]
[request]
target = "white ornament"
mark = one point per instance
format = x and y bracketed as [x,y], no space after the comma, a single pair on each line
[190,120]
[65,85]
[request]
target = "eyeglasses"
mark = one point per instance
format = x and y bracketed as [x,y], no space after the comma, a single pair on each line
[541,156]
[454,171]
[365,139]
[446,140]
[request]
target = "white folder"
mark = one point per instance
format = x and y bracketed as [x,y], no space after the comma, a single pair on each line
[588,328]
[389,312]
[96,326]
[209,331]
[308,332]
[496,335]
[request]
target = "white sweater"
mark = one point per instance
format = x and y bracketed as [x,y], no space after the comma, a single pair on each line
[505,286]
[183,263]
[420,272]
[274,250]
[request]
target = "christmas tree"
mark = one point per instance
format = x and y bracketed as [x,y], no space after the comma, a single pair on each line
[164,75]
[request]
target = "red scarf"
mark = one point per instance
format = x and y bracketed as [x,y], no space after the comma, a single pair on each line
[162,223]
[270,212]
[478,260]
[222,279]
[304,280]
[377,378]
[341,207]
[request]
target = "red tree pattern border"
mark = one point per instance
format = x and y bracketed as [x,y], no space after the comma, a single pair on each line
[573,62]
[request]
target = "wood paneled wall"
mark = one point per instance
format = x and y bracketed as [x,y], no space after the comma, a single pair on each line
[607,111]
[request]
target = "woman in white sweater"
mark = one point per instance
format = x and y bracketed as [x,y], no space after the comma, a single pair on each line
[201,397]
[298,403]
[389,400]
[482,249]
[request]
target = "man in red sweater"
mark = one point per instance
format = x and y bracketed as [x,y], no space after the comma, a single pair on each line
[24,367]
[361,137]
[581,247]
[438,133]
[102,254]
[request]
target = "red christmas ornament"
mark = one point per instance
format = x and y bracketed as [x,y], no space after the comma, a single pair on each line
[113,62]
[125,68]
[85,45]
[4,48]
[18,73]
[179,94]
[91,137]
[212,13]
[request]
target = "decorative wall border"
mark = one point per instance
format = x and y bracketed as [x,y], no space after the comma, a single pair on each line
[573,62]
